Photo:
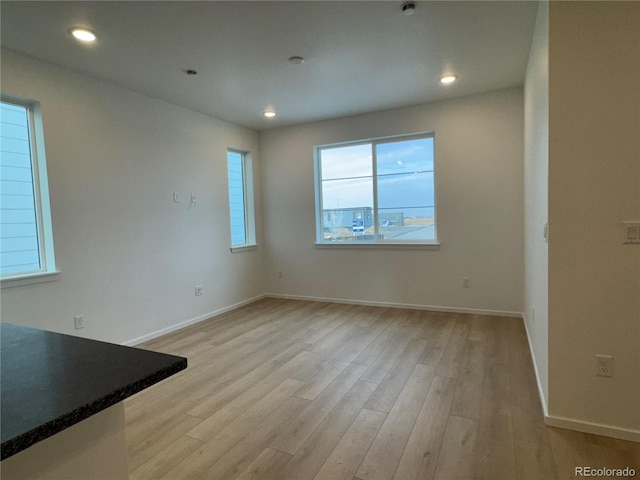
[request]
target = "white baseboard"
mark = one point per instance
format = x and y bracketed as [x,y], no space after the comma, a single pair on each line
[186,323]
[543,399]
[572,423]
[206,316]
[370,303]
[593,428]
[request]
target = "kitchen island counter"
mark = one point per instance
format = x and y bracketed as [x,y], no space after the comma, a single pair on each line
[51,381]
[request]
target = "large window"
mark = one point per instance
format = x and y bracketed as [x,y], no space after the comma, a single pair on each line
[26,243]
[377,191]
[241,199]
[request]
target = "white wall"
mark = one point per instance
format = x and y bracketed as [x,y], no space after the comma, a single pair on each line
[594,185]
[129,256]
[536,206]
[479,188]
[95,448]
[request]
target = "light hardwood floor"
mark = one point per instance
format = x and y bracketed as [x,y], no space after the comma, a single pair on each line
[299,390]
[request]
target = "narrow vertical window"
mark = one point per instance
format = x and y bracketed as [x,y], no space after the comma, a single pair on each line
[240,199]
[26,243]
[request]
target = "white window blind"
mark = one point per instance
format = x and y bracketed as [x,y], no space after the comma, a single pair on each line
[241,210]
[26,247]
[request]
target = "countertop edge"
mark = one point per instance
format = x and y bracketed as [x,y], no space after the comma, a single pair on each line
[27,439]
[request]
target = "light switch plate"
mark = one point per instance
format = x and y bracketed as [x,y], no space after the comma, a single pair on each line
[631,232]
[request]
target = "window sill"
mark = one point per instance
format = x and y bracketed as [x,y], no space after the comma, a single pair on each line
[381,245]
[243,248]
[31,279]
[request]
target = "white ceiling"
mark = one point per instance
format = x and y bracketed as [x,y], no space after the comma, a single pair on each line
[360,56]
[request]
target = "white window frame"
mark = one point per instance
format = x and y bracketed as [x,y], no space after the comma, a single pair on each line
[47,271]
[375,243]
[249,209]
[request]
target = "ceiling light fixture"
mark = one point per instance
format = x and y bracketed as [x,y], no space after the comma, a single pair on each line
[448,79]
[269,114]
[296,60]
[83,34]
[408,8]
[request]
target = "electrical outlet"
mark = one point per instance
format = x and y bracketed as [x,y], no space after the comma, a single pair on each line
[466,282]
[604,365]
[78,322]
[198,290]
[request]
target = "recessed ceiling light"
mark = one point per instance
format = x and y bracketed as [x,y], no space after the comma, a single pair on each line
[296,60]
[83,34]
[408,8]
[269,114]
[447,79]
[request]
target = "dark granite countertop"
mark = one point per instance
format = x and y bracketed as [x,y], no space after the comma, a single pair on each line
[50,381]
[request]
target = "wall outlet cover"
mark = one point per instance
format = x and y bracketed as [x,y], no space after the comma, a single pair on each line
[604,365]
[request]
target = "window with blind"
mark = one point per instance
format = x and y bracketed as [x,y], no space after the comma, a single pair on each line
[240,199]
[26,242]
